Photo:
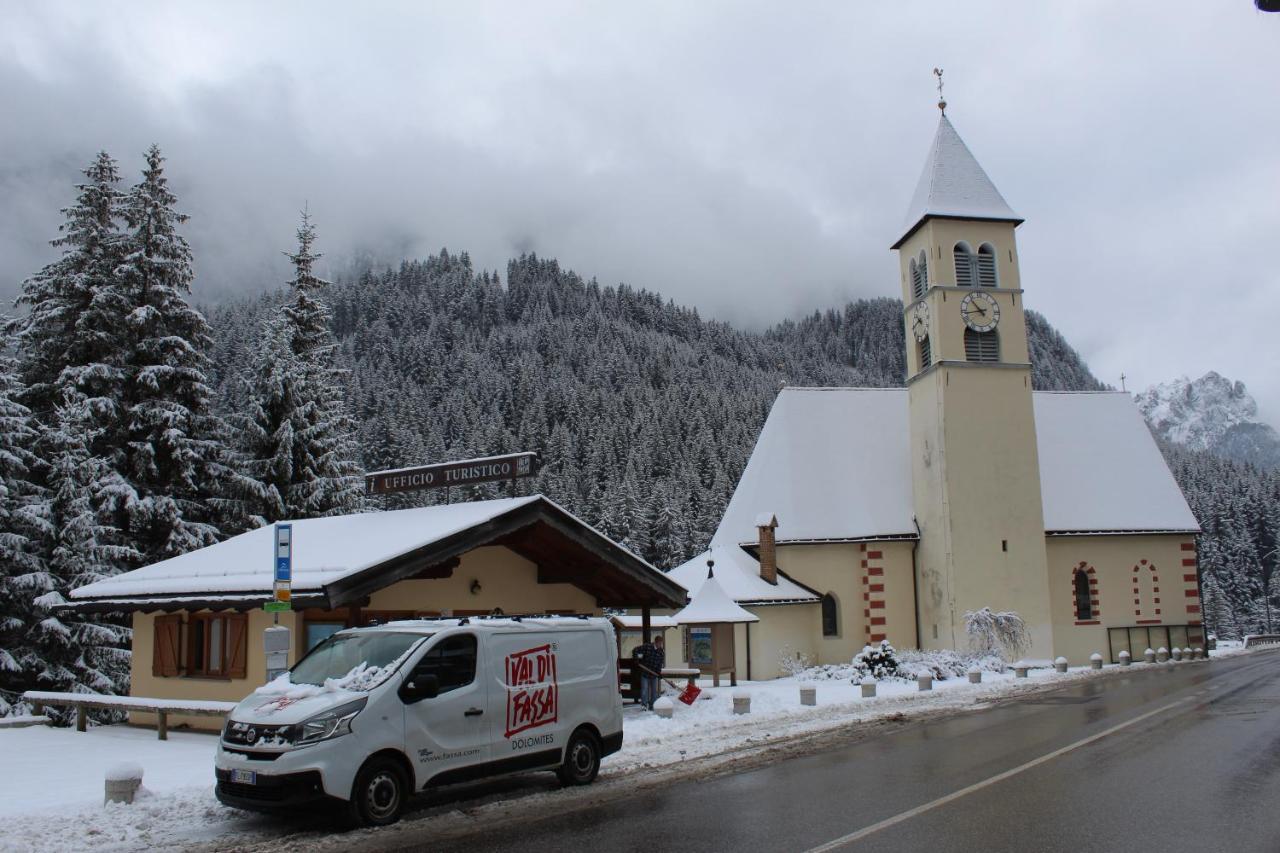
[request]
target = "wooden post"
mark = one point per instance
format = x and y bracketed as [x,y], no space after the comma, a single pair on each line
[162,725]
[37,708]
[82,719]
[645,628]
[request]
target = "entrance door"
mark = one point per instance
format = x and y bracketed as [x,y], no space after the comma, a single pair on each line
[449,732]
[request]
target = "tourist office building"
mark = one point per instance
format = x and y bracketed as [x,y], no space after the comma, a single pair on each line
[866,514]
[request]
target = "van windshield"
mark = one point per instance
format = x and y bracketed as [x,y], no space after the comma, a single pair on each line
[355,661]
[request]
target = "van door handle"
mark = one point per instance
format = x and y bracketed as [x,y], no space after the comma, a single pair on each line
[473,712]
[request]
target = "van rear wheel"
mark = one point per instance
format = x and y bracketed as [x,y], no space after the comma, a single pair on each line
[581,760]
[379,794]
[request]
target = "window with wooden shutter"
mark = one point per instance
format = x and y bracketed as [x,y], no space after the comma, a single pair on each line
[966,269]
[986,265]
[981,346]
[926,353]
[237,645]
[165,649]
[924,274]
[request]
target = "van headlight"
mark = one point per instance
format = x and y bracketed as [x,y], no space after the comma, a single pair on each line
[330,724]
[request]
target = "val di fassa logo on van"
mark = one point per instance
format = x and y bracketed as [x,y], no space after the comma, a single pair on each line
[532,693]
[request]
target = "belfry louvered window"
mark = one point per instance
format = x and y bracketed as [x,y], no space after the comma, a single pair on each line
[919,276]
[926,353]
[981,346]
[966,266]
[987,265]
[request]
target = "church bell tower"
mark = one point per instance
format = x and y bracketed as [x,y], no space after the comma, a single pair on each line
[975,466]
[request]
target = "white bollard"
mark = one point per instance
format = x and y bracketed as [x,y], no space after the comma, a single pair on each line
[1176,654]
[1199,652]
[1125,658]
[741,703]
[808,694]
[975,675]
[1020,669]
[868,688]
[1187,654]
[924,682]
[664,707]
[123,781]
[1149,656]
[1095,660]
[1162,654]
[1060,664]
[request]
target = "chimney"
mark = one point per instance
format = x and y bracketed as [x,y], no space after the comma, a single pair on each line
[765,524]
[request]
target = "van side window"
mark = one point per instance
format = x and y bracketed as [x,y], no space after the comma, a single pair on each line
[453,661]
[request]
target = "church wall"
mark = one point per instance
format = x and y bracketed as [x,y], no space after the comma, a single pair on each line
[1165,578]
[836,568]
[782,629]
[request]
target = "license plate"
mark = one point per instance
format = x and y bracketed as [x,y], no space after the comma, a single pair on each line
[245,777]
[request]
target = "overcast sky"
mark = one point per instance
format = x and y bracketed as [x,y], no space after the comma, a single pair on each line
[753,160]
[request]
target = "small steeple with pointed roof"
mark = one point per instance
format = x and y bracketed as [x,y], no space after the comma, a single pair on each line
[954,186]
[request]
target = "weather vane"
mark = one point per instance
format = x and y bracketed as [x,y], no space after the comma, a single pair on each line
[942,102]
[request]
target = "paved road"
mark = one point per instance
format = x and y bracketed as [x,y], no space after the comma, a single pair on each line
[1176,758]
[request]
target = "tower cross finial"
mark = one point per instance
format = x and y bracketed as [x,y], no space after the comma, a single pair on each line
[942,102]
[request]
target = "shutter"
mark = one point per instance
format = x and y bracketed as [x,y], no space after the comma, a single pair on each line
[237,644]
[981,346]
[926,353]
[924,275]
[165,646]
[964,268]
[987,269]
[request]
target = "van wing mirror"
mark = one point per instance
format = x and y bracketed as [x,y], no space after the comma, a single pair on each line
[420,685]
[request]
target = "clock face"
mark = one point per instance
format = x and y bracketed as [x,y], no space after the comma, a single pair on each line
[980,312]
[920,321]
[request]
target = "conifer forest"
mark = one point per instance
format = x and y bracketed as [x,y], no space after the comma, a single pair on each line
[136,425]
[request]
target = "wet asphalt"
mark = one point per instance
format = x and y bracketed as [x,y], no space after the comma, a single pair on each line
[1199,770]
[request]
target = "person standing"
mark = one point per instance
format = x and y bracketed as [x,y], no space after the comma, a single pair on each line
[651,657]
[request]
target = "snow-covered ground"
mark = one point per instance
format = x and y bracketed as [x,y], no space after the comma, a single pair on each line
[52,786]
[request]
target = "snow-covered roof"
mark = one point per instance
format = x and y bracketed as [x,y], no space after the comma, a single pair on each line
[1100,469]
[738,574]
[833,463]
[334,553]
[712,605]
[633,622]
[954,184]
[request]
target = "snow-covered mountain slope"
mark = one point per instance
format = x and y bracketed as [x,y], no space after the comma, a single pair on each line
[1211,413]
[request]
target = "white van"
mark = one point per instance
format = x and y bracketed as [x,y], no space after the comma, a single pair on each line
[372,715]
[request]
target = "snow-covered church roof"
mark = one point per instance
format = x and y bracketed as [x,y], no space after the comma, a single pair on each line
[954,184]
[738,574]
[339,556]
[834,464]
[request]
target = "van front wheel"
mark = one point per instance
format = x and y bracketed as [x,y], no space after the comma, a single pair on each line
[379,794]
[581,760]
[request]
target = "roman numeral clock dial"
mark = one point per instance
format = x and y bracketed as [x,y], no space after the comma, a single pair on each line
[920,321]
[980,312]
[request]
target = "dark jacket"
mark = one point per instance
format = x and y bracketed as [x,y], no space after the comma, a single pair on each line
[651,658]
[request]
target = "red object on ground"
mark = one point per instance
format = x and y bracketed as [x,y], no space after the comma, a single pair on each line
[690,694]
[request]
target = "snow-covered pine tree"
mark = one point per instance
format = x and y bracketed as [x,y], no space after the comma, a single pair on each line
[296,436]
[21,527]
[75,315]
[61,651]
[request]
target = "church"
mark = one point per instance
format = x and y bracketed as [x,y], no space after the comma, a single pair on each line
[866,514]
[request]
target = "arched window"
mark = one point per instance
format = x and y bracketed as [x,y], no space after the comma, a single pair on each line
[1084,596]
[987,265]
[966,266]
[1146,592]
[981,346]
[920,275]
[926,353]
[830,616]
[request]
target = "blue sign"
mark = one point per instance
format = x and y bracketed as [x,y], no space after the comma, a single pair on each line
[284,552]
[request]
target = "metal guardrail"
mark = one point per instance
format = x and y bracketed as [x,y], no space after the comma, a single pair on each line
[1252,640]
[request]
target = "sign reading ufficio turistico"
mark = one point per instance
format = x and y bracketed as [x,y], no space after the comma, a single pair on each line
[464,473]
